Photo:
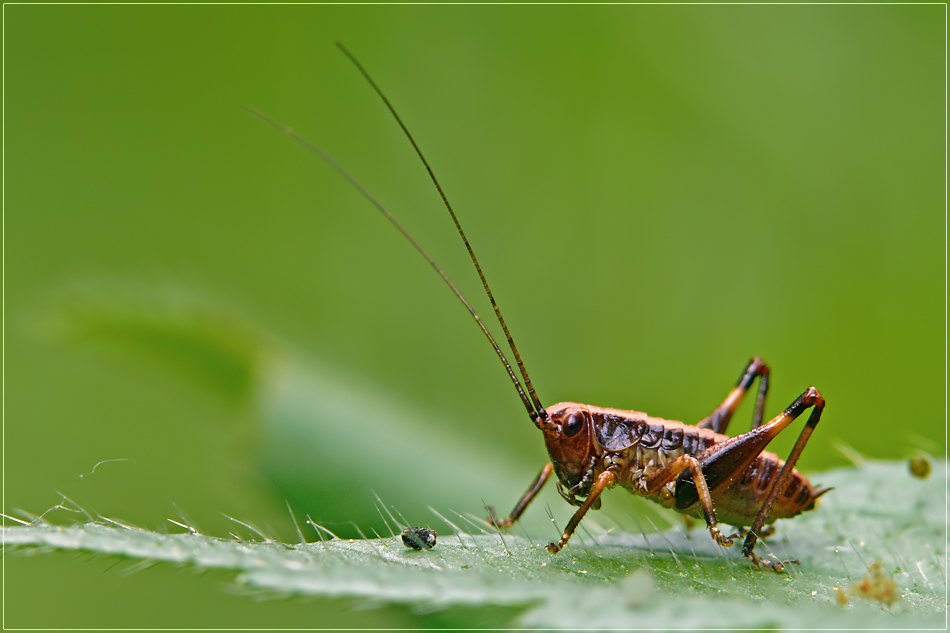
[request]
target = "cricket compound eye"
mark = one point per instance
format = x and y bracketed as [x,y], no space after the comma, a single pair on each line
[573,424]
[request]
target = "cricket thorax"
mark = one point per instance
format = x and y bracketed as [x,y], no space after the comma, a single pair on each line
[637,446]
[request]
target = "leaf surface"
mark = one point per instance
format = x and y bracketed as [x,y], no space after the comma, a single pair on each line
[877,513]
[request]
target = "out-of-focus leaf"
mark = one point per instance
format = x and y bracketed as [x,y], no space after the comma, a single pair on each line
[190,335]
[668,580]
[326,441]
[331,443]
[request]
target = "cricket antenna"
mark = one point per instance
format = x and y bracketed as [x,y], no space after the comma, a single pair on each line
[539,412]
[532,412]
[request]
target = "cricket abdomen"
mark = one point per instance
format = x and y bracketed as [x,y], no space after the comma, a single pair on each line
[739,498]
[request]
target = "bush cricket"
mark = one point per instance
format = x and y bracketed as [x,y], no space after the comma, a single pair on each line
[696,470]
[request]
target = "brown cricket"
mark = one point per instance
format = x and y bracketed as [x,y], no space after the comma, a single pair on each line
[696,470]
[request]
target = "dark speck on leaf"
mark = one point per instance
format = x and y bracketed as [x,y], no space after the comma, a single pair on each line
[418,538]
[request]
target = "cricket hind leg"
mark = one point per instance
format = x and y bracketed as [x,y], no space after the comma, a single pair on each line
[811,398]
[766,532]
[719,419]
[526,498]
[722,461]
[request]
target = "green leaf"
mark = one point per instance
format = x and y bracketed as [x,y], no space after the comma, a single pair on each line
[878,513]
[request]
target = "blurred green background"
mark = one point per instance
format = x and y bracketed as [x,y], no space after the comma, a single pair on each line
[656,194]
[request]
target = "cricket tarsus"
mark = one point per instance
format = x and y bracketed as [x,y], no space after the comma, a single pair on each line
[539,413]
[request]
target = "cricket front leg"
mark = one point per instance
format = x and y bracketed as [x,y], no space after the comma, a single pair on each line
[532,492]
[723,461]
[605,480]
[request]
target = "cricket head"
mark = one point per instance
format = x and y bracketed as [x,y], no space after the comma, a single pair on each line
[567,433]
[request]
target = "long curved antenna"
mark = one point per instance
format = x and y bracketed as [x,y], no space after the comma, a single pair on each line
[524,374]
[353,181]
